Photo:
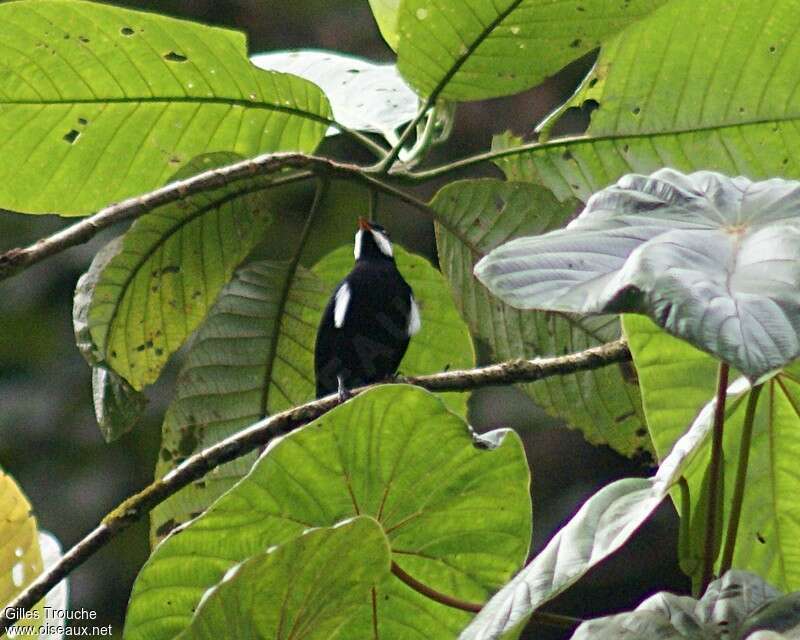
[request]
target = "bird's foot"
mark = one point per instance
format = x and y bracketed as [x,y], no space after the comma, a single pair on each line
[344,393]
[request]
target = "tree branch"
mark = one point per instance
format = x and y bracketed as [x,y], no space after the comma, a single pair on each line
[307,166]
[262,432]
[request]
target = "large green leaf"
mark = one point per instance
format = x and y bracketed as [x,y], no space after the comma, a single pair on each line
[716,91]
[602,525]
[674,377]
[364,95]
[98,103]
[394,453]
[732,607]
[713,260]
[479,49]
[305,589]
[254,356]
[147,298]
[485,213]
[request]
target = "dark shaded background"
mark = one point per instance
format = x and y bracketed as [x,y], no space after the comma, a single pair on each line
[48,438]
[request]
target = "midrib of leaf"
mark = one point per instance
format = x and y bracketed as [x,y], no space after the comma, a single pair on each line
[462,59]
[234,102]
[167,235]
[319,195]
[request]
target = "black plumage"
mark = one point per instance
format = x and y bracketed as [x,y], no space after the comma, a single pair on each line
[369,320]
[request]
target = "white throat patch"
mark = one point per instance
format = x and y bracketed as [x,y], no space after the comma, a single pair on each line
[383,243]
[357,245]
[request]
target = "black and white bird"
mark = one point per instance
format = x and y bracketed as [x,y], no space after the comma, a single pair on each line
[369,319]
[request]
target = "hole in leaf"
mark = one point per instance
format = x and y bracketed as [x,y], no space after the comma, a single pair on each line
[127,32]
[175,57]
[773,49]
[72,135]
[83,121]
[636,110]
[592,82]
[575,43]
[84,39]
[589,107]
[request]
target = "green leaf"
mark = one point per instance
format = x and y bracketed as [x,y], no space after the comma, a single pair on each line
[253,356]
[714,92]
[673,376]
[98,103]
[20,556]
[713,260]
[305,589]
[394,453]
[443,342]
[167,271]
[386,15]
[602,525]
[478,49]
[118,407]
[732,607]
[475,217]
[364,96]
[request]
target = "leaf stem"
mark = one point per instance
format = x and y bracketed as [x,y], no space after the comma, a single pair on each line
[386,164]
[264,431]
[741,477]
[542,617]
[715,478]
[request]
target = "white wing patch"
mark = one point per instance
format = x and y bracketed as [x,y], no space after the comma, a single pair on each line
[414,321]
[340,305]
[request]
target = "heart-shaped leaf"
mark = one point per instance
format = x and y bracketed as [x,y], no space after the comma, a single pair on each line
[475,217]
[98,103]
[394,453]
[602,525]
[713,260]
[305,589]
[732,607]
[254,356]
[364,95]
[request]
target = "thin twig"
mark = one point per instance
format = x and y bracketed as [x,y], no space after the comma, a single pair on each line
[16,260]
[541,617]
[264,431]
[741,477]
[715,472]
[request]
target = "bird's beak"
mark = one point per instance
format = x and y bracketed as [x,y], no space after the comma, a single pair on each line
[363,223]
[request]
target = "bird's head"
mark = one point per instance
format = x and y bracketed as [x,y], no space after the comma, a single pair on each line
[372,242]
